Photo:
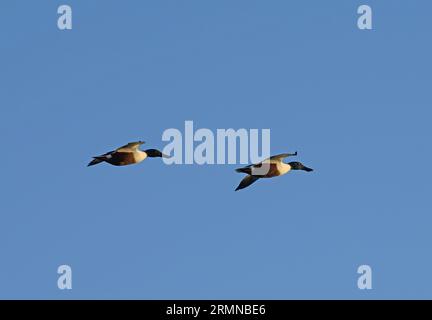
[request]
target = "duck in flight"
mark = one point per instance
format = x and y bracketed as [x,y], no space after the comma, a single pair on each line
[128,154]
[269,168]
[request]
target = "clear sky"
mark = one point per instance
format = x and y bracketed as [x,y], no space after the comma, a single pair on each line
[356,105]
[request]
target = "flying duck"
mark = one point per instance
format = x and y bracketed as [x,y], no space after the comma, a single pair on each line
[269,168]
[128,154]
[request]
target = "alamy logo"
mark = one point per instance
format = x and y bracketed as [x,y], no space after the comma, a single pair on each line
[204,147]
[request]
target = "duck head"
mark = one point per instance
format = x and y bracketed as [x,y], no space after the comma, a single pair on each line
[154,153]
[295,165]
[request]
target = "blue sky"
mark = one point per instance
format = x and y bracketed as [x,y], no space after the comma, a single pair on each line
[355,104]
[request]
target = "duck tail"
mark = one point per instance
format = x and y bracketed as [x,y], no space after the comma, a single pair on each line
[94,161]
[244,170]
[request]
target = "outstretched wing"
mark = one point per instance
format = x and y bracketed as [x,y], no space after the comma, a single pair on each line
[280,157]
[130,147]
[272,159]
[246,182]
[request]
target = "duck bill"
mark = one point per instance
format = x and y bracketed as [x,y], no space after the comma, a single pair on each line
[165,155]
[307,169]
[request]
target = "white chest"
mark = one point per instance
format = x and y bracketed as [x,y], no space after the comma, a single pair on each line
[283,168]
[139,156]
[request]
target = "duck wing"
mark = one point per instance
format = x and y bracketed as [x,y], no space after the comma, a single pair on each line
[280,157]
[246,182]
[130,147]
